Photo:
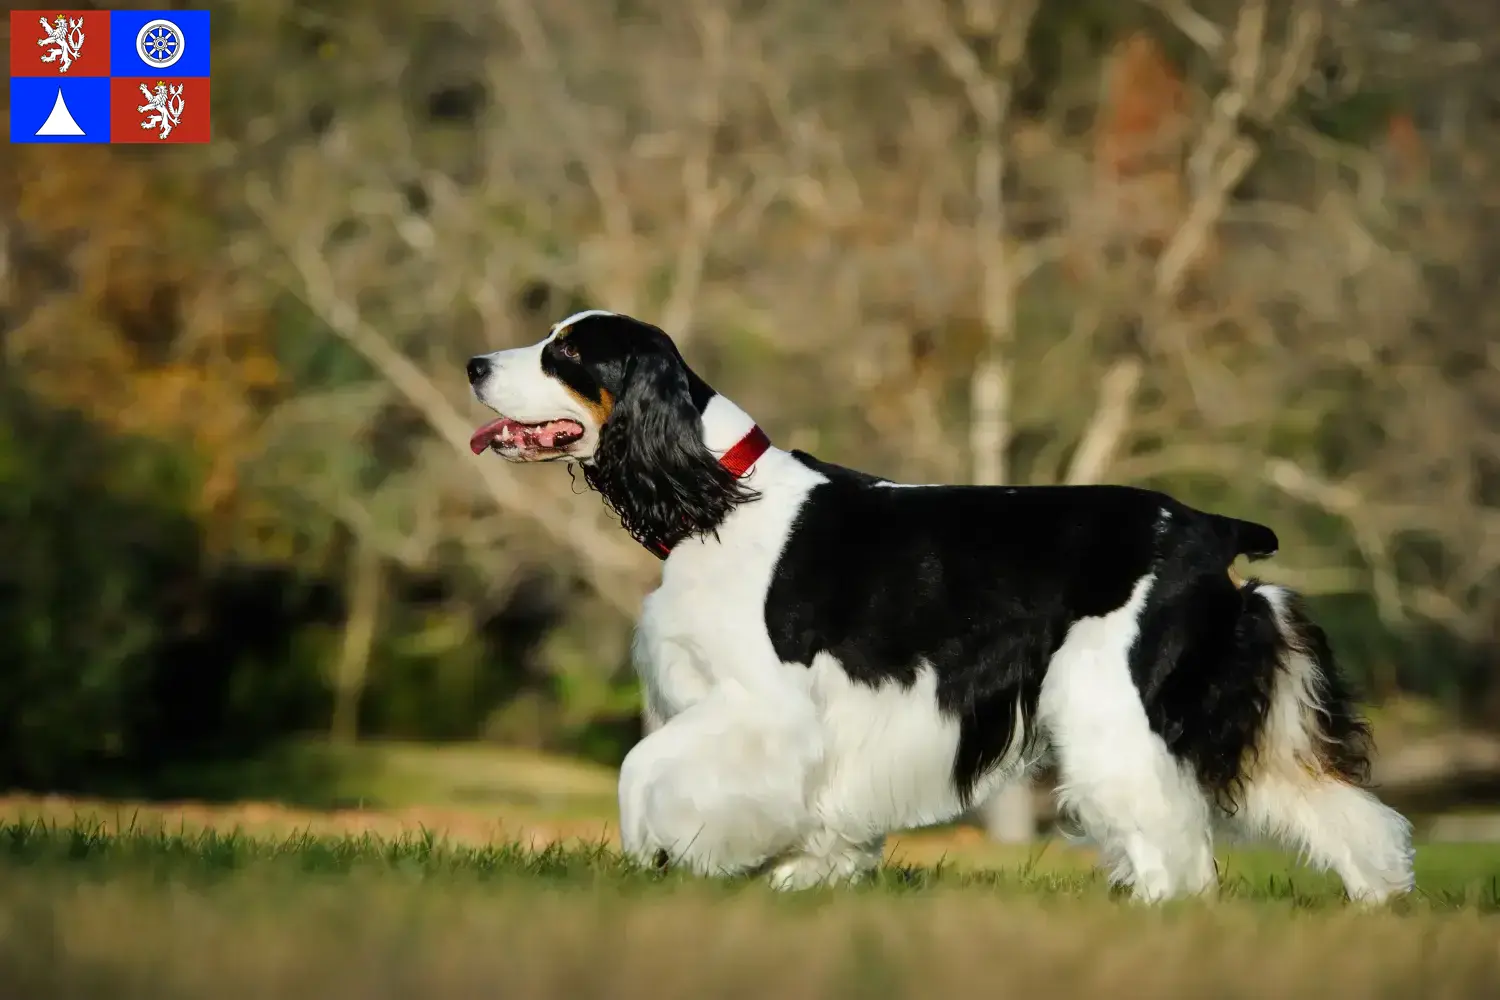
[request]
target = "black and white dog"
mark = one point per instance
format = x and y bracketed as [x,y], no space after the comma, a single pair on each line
[831,657]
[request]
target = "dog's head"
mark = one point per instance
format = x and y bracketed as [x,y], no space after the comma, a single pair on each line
[613,394]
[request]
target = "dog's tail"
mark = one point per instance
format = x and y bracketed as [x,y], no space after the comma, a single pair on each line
[1245,538]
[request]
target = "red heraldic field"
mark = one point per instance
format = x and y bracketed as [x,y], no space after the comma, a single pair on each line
[64,44]
[144,109]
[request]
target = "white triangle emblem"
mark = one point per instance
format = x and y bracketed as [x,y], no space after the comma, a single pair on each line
[60,121]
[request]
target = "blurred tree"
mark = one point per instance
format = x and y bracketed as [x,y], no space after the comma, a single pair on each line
[79,612]
[1237,250]
[118,310]
[123,653]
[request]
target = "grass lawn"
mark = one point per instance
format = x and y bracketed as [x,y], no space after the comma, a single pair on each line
[143,911]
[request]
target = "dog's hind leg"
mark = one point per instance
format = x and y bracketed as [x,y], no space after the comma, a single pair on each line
[1134,799]
[720,788]
[1301,784]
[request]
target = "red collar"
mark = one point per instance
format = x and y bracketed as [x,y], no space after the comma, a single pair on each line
[738,460]
[746,452]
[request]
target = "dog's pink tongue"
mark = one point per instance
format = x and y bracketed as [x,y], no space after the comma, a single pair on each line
[502,429]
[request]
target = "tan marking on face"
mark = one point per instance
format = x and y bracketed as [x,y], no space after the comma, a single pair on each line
[1234,578]
[599,409]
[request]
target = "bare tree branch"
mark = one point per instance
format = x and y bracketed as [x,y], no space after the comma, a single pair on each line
[706,198]
[1222,156]
[1109,425]
[989,96]
[614,207]
[608,561]
[1347,504]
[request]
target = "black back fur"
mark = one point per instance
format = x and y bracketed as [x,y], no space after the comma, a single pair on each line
[983,584]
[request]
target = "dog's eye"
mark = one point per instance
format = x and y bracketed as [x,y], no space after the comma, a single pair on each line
[567,350]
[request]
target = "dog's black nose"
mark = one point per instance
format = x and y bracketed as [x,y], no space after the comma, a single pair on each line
[478,368]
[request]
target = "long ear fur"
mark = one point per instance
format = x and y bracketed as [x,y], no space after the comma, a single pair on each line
[651,465]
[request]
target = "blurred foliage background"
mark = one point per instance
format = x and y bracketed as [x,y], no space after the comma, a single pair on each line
[1243,252]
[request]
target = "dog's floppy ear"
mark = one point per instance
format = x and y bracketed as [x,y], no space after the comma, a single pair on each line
[651,465]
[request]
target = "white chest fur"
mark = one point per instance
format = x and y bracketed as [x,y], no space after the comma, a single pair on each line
[705,625]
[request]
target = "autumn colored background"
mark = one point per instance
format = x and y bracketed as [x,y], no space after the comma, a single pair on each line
[1244,252]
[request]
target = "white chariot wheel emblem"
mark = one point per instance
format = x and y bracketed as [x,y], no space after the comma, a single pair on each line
[160,43]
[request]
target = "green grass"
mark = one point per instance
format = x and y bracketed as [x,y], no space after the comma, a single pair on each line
[164,914]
